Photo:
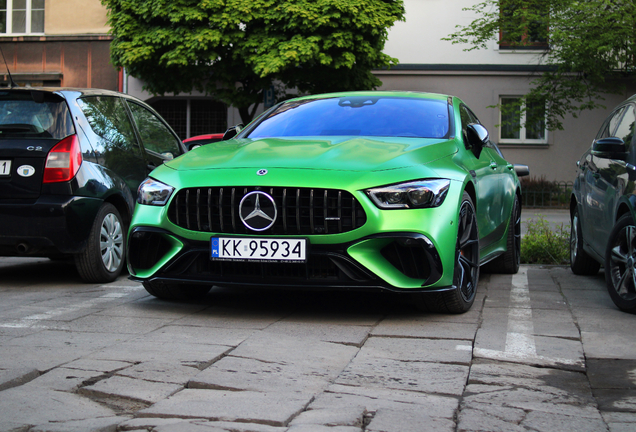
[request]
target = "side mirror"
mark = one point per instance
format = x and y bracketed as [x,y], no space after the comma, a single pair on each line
[477,137]
[609,148]
[232,132]
[522,170]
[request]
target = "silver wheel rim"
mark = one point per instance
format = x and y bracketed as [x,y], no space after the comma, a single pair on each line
[111,242]
[574,238]
[622,265]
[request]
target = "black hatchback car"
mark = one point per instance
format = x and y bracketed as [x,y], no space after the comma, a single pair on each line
[70,164]
[603,207]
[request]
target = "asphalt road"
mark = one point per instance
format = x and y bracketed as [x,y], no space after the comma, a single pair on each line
[542,350]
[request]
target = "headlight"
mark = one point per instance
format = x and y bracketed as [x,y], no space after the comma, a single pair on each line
[153,192]
[416,194]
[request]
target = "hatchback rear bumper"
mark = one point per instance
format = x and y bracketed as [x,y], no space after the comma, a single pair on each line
[50,226]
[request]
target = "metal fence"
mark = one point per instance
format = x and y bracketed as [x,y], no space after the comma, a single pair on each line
[544,194]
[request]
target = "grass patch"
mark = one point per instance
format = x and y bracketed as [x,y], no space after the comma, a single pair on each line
[544,244]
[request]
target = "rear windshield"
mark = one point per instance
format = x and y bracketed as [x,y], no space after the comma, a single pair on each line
[27,114]
[363,116]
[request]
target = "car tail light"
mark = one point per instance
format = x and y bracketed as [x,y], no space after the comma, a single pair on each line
[63,161]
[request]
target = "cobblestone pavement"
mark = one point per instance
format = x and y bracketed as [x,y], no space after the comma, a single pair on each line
[542,350]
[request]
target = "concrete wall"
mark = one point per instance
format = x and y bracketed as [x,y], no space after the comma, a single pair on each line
[70,17]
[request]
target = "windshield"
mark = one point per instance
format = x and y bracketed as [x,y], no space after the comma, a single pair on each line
[358,115]
[23,117]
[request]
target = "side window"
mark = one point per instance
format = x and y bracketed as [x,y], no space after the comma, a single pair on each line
[155,135]
[609,126]
[108,118]
[625,129]
[467,118]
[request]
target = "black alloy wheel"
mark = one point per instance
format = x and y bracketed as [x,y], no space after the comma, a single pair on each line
[466,271]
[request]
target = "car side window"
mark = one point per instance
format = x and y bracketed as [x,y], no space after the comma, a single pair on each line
[108,119]
[467,117]
[155,135]
[625,129]
[607,130]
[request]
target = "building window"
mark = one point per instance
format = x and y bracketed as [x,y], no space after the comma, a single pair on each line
[521,124]
[523,26]
[21,16]
[192,117]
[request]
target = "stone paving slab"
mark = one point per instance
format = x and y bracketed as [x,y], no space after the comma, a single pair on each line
[604,345]
[16,377]
[34,406]
[197,335]
[417,350]
[274,409]
[400,375]
[131,388]
[194,425]
[97,365]
[424,327]
[64,379]
[331,417]
[354,335]
[386,420]
[236,373]
[100,424]
[160,371]
[40,358]
[269,346]
[142,351]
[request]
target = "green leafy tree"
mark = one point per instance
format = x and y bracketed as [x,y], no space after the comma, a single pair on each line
[235,49]
[590,47]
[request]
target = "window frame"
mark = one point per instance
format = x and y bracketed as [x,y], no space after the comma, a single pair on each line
[522,140]
[9,11]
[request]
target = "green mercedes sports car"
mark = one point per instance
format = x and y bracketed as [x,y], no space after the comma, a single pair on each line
[394,191]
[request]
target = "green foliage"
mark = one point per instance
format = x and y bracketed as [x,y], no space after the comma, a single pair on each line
[592,47]
[543,244]
[234,49]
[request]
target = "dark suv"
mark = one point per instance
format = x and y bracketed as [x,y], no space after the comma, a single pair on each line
[70,164]
[603,207]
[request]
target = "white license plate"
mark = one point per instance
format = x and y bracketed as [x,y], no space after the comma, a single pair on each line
[264,249]
[5,167]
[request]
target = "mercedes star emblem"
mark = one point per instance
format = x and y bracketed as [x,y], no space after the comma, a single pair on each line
[261,172]
[257,211]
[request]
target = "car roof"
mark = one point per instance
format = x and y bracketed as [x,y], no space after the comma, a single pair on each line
[69,92]
[378,93]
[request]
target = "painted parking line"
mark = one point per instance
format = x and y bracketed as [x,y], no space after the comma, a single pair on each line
[520,341]
[33,321]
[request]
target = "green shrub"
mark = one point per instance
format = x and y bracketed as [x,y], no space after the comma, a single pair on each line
[543,244]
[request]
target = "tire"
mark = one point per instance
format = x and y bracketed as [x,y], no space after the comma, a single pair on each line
[104,257]
[466,271]
[509,262]
[620,264]
[166,291]
[581,262]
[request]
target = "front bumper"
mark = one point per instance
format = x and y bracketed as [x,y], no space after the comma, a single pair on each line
[52,225]
[388,261]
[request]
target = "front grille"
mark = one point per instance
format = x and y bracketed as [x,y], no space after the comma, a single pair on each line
[301,211]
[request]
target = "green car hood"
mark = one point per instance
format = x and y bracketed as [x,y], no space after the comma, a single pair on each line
[337,153]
